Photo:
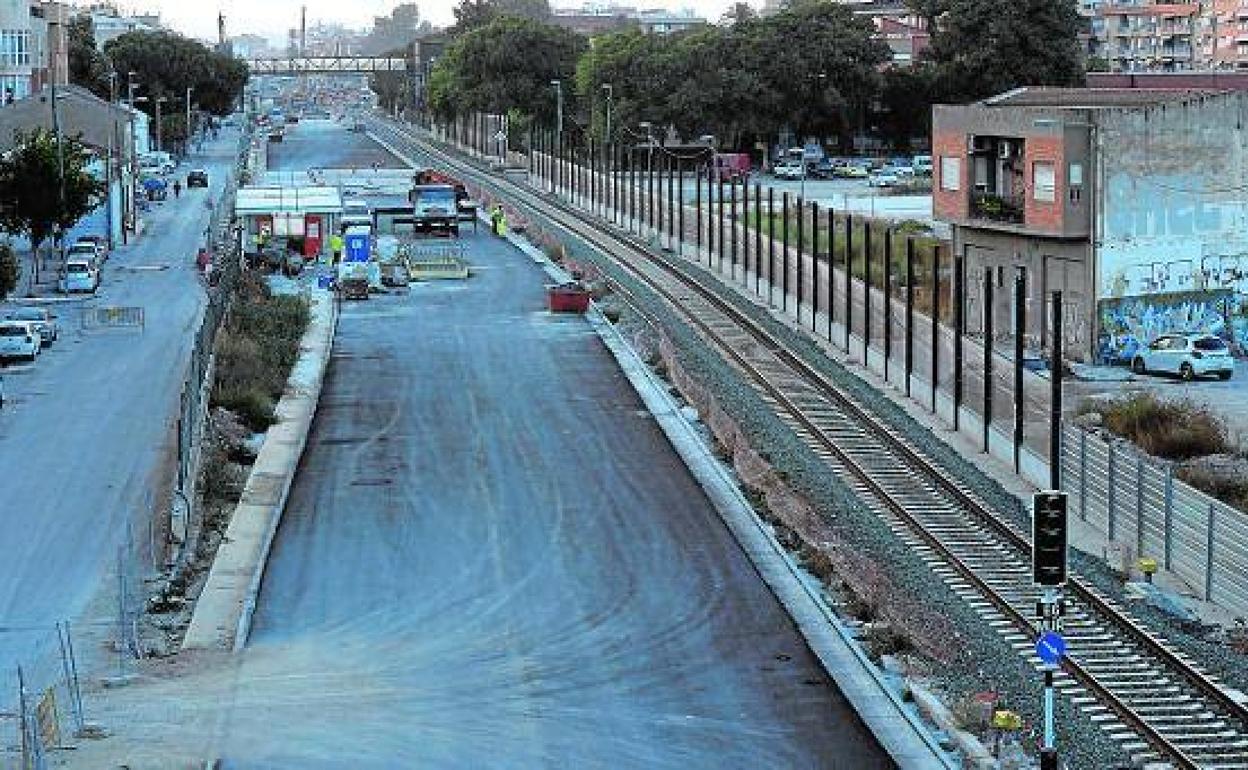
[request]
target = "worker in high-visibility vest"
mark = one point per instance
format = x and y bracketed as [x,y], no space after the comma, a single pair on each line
[498,221]
[335,246]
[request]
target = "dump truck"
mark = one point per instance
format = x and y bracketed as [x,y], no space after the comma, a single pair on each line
[435,209]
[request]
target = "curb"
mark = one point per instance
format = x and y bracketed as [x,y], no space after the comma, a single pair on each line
[223,612]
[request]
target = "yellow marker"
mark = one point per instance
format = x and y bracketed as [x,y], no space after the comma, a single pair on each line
[1007,720]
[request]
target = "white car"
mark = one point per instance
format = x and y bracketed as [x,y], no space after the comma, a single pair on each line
[81,275]
[1187,355]
[789,169]
[19,339]
[883,178]
[42,319]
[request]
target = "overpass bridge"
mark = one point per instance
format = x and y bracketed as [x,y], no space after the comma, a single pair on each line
[328,65]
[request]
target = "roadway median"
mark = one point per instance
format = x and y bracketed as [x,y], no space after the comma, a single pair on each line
[222,616]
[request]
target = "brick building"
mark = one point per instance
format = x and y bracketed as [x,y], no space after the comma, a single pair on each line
[1125,199]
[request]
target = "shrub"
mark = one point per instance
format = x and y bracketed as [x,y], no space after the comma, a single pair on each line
[1227,488]
[1173,430]
[10,271]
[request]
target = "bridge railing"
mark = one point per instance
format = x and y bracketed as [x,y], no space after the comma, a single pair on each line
[300,65]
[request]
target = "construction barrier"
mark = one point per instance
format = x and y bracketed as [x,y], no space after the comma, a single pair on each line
[113,317]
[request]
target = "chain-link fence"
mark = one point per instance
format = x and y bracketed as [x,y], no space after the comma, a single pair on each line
[46,699]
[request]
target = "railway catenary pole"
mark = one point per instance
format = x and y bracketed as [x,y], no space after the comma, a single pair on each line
[888,299]
[831,215]
[1055,396]
[758,237]
[849,280]
[935,353]
[909,311]
[866,294]
[1020,329]
[989,379]
[959,328]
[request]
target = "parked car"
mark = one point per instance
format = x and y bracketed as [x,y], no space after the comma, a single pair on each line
[42,319]
[922,165]
[902,172]
[1187,355]
[883,178]
[19,339]
[80,275]
[196,178]
[789,169]
[851,171]
[824,169]
[730,167]
[86,249]
[100,243]
[156,188]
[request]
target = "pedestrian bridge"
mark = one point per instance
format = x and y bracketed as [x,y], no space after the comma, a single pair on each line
[327,65]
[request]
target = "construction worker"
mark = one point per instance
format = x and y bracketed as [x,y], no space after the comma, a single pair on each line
[335,246]
[498,220]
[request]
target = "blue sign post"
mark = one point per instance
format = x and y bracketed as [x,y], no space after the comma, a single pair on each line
[1051,648]
[357,247]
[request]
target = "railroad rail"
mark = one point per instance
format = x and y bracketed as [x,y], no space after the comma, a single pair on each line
[1153,700]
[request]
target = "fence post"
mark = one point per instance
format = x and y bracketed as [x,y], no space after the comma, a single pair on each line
[680,207]
[1020,330]
[989,381]
[1209,540]
[1167,525]
[758,237]
[849,279]
[784,254]
[801,238]
[814,265]
[1139,504]
[771,246]
[745,233]
[909,311]
[958,290]
[672,165]
[697,207]
[888,299]
[866,293]
[936,326]
[719,221]
[831,215]
[1083,475]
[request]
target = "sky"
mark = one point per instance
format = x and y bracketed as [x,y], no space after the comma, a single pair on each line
[271,18]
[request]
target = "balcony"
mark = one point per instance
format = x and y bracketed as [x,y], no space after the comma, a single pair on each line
[997,208]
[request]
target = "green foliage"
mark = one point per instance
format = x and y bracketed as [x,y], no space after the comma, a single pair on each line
[28,184]
[393,89]
[256,351]
[1174,430]
[10,271]
[985,47]
[812,68]
[166,64]
[87,66]
[906,98]
[506,64]
[475,14]
[1098,64]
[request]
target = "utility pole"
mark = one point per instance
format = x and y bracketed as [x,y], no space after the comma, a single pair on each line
[189,89]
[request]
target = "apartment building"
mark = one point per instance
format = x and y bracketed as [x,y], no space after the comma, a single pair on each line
[34,49]
[1123,198]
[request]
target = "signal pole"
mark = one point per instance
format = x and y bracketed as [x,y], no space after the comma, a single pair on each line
[1049,567]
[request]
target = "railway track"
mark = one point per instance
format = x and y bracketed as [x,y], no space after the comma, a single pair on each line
[1155,702]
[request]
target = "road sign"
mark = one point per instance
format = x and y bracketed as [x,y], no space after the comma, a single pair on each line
[1048,538]
[357,247]
[1051,647]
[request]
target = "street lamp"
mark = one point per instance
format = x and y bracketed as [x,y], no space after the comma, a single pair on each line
[159,101]
[558,85]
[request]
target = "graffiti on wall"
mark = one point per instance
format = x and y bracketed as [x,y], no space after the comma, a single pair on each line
[1167,234]
[1130,323]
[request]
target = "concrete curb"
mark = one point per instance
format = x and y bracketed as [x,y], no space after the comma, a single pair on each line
[223,612]
[897,727]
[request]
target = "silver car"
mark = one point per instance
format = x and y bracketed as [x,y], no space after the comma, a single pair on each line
[42,319]
[1187,355]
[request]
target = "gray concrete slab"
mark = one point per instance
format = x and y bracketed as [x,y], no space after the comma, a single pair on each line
[487,506]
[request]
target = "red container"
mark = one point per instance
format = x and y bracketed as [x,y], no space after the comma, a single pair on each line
[568,298]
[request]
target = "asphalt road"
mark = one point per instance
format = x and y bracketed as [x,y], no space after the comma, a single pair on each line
[486,509]
[84,432]
[327,144]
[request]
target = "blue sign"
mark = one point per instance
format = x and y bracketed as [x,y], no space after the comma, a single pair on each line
[1051,647]
[357,247]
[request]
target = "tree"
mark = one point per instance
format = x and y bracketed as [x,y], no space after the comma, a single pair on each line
[10,271]
[507,63]
[28,185]
[393,89]
[985,47]
[166,64]
[1098,64]
[906,98]
[739,13]
[475,14]
[87,66]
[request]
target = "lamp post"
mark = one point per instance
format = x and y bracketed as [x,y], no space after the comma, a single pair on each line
[558,85]
[159,101]
[189,89]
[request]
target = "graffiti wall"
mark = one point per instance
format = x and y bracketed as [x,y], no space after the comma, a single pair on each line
[1130,323]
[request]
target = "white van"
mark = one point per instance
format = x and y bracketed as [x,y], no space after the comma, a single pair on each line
[80,275]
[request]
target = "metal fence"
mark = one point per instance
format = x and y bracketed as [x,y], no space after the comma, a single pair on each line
[112,317]
[1138,504]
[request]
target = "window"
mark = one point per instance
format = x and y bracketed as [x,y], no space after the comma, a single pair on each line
[1043,182]
[1074,175]
[950,173]
[14,48]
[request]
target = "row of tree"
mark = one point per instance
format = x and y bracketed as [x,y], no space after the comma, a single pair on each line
[814,68]
[164,64]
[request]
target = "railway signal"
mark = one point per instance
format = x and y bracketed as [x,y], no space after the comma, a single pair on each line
[1048,570]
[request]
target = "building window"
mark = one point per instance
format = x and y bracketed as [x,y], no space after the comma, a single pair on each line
[1075,178]
[15,48]
[14,87]
[1043,182]
[950,173]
